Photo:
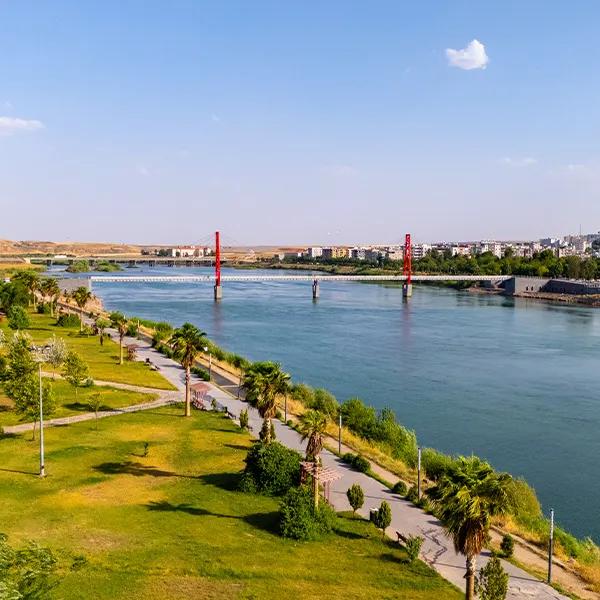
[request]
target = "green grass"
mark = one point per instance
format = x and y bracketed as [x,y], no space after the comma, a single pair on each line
[172,525]
[103,360]
[70,403]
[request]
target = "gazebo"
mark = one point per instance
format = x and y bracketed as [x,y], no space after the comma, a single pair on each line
[198,392]
[324,475]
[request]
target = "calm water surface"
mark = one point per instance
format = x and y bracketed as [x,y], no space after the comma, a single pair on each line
[513,381]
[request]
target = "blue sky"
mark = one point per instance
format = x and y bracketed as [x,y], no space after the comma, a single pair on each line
[298,122]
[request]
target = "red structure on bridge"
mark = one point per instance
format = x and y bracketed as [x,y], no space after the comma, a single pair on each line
[218,288]
[407,267]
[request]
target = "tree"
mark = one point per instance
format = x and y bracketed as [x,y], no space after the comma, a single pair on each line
[412,545]
[101,325]
[95,403]
[467,496]
[31,281]
[312,428]
[28,573]
[81,296]
[263,382]
[17,318]
[383,517]
[56,352]
[356,497]
[187,341]
[119,322]
[492,583]
[50,291]
[75,370]
[21,382]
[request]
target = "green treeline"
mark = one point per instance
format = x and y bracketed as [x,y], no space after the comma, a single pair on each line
[541,264]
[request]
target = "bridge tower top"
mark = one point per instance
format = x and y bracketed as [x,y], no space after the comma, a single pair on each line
[407,270]
[217,259]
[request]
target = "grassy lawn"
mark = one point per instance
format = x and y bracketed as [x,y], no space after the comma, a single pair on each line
[69,403]
[102,360]
[171,525]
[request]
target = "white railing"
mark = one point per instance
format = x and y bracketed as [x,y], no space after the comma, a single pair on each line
[259,278]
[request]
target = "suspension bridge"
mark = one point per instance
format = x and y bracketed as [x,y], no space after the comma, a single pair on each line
[217,279]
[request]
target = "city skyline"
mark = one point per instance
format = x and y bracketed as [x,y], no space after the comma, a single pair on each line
[297,125]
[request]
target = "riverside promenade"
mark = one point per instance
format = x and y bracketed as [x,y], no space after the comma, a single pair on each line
[437,550]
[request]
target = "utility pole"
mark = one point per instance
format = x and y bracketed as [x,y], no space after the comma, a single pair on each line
[42,466]
[419,473]
[551,546]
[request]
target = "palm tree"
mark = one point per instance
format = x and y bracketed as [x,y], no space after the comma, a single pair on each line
[312,428]
[263,382]
[188,341]
[101,324]
[81,296]
[466,497]
[31,280]
[119,322]
[50,291]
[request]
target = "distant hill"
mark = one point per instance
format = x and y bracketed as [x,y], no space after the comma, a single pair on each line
[10,248]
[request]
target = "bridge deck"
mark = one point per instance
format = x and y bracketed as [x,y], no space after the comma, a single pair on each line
[259,278]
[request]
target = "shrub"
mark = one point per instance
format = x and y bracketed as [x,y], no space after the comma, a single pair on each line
[412,494]
[383,517]
[324,402]
[201,373]
[413,547]
[357,462]
[435,464]
[67,320]
[271,469]
[359,418]
[507,545]
[300,520]
[302,393]
[17,317]
[400,488]
[43,308]
[132,329]
[244,421]
[356,497]
[492,583]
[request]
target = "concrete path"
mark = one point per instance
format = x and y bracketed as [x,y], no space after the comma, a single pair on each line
[437,549]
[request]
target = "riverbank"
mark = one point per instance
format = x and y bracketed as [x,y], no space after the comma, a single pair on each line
[566,546]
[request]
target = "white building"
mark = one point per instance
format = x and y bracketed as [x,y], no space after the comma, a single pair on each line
[314,252]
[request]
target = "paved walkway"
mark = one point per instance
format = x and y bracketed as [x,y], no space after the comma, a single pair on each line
[437,549]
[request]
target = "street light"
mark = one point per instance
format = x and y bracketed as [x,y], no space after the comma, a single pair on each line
[206,349]
[551,546]
[419,473]
[340,433]
[40,354]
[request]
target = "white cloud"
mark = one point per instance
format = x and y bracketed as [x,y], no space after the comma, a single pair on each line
[471,57]
[527,161]
[215,118]
[11,125]
[143,170]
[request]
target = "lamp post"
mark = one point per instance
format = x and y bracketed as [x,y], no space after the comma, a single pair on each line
[550,546]
[40,353]
[206,349]
[340,433]
[419,473]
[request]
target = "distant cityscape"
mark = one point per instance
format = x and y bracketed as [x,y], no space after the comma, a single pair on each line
[571,245]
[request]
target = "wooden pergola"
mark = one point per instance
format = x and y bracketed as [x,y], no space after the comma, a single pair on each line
[322,475]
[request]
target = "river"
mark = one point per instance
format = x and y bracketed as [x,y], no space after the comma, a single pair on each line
[514,381]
